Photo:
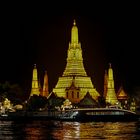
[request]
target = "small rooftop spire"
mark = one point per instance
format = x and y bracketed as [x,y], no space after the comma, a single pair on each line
[46,72]
[109,65]
[34,65]
[74,22]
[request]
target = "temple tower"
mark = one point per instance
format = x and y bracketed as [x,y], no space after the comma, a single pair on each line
[45,91]
[75,68]
[111,96]
[35,84]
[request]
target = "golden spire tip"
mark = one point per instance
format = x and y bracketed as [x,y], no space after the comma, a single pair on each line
[74,22]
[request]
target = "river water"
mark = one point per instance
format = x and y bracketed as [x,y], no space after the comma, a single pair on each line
[57,130]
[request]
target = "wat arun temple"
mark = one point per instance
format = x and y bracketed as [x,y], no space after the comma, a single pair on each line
[75,84]
[74,75]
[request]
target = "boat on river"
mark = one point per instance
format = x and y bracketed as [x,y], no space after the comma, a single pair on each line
[77,114]
[98,114]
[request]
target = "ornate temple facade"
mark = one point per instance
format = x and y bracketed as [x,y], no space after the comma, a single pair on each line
[35,90]
[109,92]
[74,83]
[121,95]
[122,98]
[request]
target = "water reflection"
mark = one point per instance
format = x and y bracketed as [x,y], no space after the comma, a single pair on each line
[57,130]
[98,130]
[68,130]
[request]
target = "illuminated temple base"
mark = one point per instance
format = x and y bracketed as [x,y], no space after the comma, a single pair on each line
[83,83]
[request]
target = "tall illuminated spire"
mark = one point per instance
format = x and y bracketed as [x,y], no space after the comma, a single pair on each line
[74,33]
[110,76]
[74,56]
[111,96]
[45,91]
[75,68]
[35,84]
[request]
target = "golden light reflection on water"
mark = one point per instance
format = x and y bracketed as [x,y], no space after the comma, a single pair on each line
[57,130]
[96,130]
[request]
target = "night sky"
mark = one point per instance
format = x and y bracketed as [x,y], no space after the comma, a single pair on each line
[107,35]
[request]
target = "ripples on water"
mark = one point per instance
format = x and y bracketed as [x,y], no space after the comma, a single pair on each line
[57,130]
